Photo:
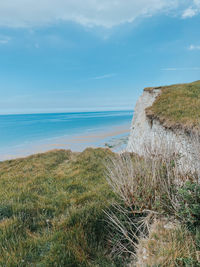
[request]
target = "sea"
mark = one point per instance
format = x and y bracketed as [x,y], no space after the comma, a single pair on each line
[26,134]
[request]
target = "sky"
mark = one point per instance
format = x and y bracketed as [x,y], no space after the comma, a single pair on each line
[92,55]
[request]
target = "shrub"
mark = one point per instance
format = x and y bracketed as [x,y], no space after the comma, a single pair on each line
[189,211]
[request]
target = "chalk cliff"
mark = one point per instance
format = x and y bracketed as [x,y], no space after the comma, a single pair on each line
[150,136]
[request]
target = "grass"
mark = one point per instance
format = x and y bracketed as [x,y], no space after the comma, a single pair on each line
[177,107]
[51,210]
[167,245]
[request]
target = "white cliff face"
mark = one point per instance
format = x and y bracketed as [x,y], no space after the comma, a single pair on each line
[150,137]
[141,126]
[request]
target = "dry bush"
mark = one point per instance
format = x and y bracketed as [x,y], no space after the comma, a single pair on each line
[128,229]
[149,189]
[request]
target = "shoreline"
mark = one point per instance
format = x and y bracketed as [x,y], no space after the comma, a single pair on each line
[114,138]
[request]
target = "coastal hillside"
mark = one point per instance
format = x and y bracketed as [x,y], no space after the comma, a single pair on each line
[98,208]
[52,210]
[168,115]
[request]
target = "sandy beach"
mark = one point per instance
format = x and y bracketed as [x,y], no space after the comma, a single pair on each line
[115,138]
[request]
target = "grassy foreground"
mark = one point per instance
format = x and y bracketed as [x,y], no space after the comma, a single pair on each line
[178,106]
[51,210]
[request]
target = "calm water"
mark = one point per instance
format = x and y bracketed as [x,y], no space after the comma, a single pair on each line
[17,131]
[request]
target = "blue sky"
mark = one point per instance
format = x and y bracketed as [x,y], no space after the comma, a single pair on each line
[73,55]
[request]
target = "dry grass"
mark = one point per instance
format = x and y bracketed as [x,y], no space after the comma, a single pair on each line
[147,184]
[177,107]
[168,245]
[129,228]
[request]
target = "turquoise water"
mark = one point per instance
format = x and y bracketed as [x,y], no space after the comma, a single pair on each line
[22,131]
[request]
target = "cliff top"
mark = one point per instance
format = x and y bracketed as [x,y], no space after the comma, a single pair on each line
[178,106]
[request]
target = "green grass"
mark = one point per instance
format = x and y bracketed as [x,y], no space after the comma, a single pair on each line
[178,106]
[51,210]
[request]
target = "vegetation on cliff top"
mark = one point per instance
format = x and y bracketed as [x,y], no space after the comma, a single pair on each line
[177,107]
[51,210]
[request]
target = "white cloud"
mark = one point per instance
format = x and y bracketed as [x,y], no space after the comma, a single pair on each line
[106,13]
[194,47]
[192,10]
[189,13]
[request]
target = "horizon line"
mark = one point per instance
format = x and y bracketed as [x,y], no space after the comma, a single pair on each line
[63,112]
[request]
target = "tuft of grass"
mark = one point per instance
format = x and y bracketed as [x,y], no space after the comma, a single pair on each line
[145,184]
[51,210]
[177,107]
[168,245]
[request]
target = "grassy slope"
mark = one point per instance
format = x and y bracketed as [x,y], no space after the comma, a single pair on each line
[178,106]
[51,210]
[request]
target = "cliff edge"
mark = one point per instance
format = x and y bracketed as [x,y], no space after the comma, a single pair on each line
[168,119]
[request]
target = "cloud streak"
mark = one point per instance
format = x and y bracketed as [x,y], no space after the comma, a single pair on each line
[181,69]
[4,40]
[194,47]
[106,76]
